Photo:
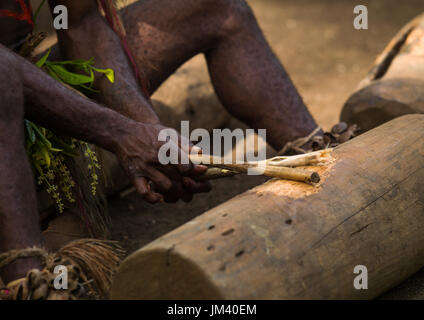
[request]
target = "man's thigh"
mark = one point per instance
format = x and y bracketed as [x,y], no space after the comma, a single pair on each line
[163,34]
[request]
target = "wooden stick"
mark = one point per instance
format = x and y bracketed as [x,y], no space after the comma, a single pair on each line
[31,43]
[275,172]
[266,170]
[216,173]
[292,174]
[312,158]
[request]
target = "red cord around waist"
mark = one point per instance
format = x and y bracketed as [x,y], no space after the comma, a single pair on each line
[24,15]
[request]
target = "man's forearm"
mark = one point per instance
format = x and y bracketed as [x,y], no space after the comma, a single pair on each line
[91,37]
[58,108]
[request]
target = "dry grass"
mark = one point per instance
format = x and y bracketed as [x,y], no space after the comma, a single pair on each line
[97,259]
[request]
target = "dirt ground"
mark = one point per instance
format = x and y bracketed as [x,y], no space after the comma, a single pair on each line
[326,58]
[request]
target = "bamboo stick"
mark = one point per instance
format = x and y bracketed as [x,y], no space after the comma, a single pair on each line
[277,167]
[216,173]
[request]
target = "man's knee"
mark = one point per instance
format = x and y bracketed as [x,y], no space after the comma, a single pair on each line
[238,15]
[227,15]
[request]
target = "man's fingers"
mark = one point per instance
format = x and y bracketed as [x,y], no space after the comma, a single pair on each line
[153,197]
[179,158]
[161,181]
[198,170]
[171,172]
[184,148]
[142,186]
[196,186]
[184,168]
[176,192]
[195,150]
[185,144]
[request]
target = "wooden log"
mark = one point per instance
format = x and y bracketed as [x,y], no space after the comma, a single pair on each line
[399,45]
[395,85]
[290,240]
[382,101]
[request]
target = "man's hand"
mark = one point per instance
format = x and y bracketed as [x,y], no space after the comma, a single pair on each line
[137,153]
[136,144]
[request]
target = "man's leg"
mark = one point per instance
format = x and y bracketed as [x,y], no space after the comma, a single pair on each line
[19,225]
[247,76]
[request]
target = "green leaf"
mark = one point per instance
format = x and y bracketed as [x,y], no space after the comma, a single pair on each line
[37,11]
[43,59]
[109,73]
[53,74]
[66,148]
[41,135]
[30,130]
[80,64]
[38,167]
[46,156]
[69,77]
[91,75]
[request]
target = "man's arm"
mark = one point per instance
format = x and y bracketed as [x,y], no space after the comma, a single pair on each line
[89,36]
[54,106]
